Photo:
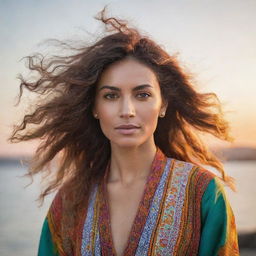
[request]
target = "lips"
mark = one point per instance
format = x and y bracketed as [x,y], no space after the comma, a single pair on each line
[127,126]
[127,129]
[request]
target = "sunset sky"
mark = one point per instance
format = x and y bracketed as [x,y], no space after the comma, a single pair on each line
[216,41]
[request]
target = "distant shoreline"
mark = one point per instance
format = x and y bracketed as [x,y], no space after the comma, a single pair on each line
[247,240]
[13,161]
[236,153]
[225,154]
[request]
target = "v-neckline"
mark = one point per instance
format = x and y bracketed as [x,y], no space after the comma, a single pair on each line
[106,237]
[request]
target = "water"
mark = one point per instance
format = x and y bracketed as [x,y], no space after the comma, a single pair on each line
[21,219]
[243,201]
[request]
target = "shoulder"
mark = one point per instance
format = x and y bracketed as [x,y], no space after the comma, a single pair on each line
[57,202]
[64,208]
[59,207]
[194,178]
[201,183]
[54,215]
[195,173]
[215,195]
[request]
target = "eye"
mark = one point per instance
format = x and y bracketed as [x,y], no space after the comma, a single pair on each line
[143,95]
[110,96]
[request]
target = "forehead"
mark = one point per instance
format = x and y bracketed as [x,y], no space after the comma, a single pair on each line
[128,72]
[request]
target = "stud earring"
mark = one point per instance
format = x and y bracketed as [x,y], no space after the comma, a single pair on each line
[162,115]
[96,116]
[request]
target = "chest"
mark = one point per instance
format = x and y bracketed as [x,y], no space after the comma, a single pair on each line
[123,207]
[159,218]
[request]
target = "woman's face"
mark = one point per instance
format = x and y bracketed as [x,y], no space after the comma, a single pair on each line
[128,103]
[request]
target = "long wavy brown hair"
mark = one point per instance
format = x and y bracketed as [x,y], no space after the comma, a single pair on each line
[63,118]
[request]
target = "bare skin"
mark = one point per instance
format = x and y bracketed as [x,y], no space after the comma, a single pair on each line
[125,191]
[123,202]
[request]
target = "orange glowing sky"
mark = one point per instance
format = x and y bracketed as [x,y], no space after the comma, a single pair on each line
[216,41]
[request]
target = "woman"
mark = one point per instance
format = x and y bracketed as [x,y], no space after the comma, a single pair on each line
[122,118]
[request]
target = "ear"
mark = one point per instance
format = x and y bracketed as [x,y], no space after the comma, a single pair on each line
[163,109]
[94,113]
[164,106]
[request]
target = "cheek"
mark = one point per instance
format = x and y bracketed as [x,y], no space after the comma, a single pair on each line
[106,125]
[151,117]
[106,115]
[105,111]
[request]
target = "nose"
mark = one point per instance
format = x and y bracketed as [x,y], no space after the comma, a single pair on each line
[127,108]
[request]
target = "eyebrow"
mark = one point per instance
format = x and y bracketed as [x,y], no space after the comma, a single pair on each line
[137,88]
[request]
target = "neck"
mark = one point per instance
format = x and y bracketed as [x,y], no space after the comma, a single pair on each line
[128,165]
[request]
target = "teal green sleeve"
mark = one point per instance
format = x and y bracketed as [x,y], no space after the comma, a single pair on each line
[46,245]
[216,223]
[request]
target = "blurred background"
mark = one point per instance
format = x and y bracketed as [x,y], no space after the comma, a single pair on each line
[215,40]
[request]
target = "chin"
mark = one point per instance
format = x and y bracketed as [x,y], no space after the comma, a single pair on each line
[128,142]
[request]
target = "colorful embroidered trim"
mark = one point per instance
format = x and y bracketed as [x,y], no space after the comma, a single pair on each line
[173,202]
[90,239]
[144,242]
